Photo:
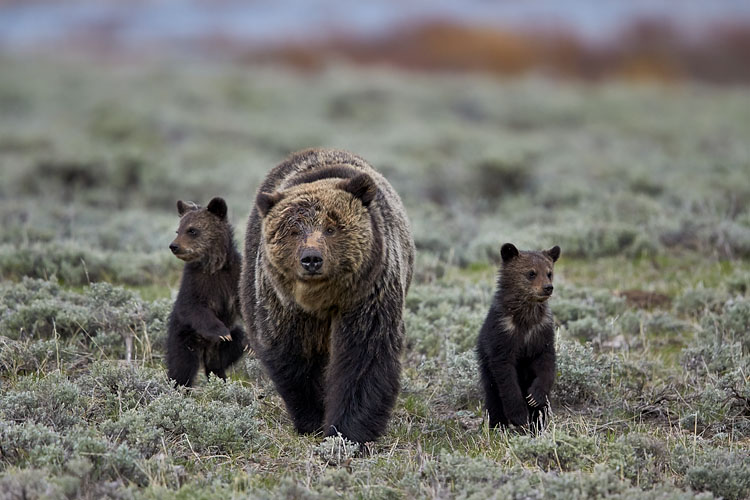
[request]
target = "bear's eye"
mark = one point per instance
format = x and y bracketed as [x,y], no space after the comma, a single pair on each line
[192,231]
[532,275]
[330,230]
[549,275]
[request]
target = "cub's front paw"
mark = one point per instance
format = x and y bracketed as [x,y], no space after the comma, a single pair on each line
[220,336]
[536,398]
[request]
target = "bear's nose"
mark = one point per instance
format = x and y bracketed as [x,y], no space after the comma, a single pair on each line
[174,247]
[311,260]
[548,289]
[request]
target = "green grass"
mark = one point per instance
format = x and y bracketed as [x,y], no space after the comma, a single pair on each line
[644,188]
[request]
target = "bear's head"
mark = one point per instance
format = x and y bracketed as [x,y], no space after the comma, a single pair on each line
[203,235]
[528,274]
[317,233]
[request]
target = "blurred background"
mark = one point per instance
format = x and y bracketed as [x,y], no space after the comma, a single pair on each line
[610,128]
[662,40]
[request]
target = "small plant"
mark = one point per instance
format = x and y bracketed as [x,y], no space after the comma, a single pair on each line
[554,450]
[337,450]
[462,476]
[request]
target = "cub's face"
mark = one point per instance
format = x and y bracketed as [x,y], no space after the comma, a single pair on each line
[318,231]
[201,230]
[530,272]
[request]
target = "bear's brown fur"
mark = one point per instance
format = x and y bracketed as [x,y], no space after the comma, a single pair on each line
[328,262]
[202,327]
[516,345]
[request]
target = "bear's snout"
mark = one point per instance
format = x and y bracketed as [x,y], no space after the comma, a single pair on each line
[311,260]
[174,247]
[548,289]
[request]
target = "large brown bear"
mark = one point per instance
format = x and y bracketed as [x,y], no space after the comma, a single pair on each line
[328,262]
[203,327]
[516,345]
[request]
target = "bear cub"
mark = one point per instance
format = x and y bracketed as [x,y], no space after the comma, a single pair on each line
[328,262]
[203,326]
[516,345]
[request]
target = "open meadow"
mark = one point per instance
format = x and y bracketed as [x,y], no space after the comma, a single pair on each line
[645,188]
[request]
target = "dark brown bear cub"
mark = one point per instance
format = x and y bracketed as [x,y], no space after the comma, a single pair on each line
[202,327]
[328,262]
[516,346]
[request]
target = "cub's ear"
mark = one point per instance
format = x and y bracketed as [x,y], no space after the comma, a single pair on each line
[266,201]
[183,207]
[508,252]
[360,186]
[554,253]
[218,207]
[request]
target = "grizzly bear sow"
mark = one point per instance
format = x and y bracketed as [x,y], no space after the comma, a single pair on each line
[516,346]
[328,262]
[202,327]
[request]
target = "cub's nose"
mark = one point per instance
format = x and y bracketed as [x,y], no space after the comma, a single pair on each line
[548,289]
[311,260]
[174,247]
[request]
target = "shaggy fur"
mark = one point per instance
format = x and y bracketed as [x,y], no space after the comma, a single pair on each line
[516,346]
[328,262]
[202,327]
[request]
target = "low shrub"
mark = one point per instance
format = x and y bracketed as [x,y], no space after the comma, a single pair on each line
[460,476]
[724,473]
[555,450]
[190,425]
[41,309]
[21,357]
[582,376]
[641,458]
[75,264]
[52,400]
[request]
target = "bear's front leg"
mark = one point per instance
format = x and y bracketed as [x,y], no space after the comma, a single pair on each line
[543,367]
[364,371]
[294,366]
[204,321]
[299,382]
[509,390]
[492,402]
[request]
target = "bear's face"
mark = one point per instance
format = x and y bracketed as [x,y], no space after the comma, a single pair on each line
[202,233]
[529,274]
[318,232]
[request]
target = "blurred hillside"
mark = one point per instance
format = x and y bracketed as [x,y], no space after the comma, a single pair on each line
[644,50]
[635,40]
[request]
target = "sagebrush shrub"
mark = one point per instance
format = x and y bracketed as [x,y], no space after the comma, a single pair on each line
[724,473]
[555,450]
[582,376]
[53,400]
[39,309]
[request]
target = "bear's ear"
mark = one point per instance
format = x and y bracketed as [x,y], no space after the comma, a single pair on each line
[508,252]
[266,201]
[183,207]
[218,207]
[360,186]
[554,253]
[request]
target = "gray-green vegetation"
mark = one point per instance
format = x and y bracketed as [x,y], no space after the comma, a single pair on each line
[645,189]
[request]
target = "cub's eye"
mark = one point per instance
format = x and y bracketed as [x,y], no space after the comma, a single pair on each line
[532,275]
[330,231]
[549,275]
[192,231]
